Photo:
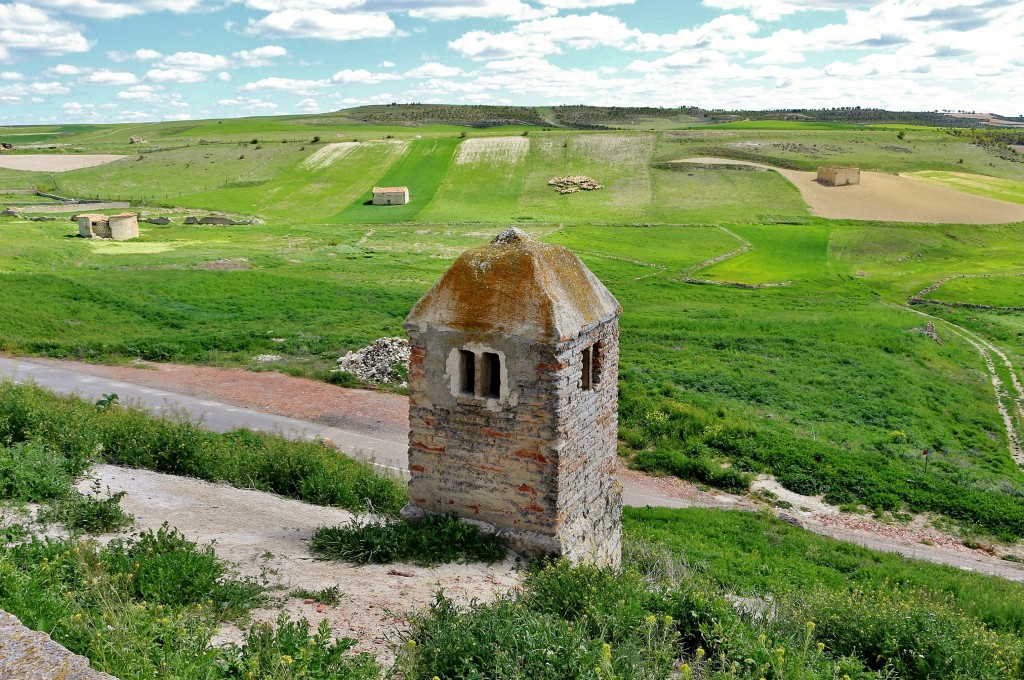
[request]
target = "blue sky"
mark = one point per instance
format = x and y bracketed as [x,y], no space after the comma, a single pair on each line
[141,60]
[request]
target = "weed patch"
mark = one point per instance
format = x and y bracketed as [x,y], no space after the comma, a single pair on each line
[428,541]
[76,430]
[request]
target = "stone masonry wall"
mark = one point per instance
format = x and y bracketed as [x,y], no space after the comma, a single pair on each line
[463,451]
[537,463]
[589,497]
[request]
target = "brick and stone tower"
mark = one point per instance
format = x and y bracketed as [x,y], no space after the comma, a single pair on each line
[513,399]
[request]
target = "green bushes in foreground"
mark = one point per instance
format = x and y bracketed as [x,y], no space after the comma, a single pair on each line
[75,431]
[640,622]
[148,607]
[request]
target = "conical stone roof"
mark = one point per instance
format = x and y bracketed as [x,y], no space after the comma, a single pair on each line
[518,287]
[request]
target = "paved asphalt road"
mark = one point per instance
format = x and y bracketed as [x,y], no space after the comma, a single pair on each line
[387,453]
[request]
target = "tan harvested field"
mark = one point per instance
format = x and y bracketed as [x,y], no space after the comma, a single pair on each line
[55,162]
[328,155]
[890,198]
[492,150]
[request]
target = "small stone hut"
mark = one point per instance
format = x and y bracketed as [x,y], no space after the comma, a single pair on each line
[513,400]
[390,195]
[119,227]
[838,177]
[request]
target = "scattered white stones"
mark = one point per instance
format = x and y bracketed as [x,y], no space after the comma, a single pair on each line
[267,358]
[385,360]
[574,183]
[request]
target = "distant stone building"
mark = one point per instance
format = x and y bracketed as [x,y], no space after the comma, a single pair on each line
[119,227]
[838,177]
[390,195]
[513,400]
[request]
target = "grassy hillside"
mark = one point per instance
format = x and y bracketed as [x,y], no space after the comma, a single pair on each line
[823,381]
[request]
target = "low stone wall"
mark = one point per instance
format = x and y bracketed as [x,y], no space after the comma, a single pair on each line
[74,207]
[30,655]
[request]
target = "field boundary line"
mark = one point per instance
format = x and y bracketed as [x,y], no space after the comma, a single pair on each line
[745,248]
[918,298]
[660,267]
[1003,395]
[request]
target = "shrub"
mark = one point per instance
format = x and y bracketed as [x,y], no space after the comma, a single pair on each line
[31,473]
[912,634]
[430,540]
[166,568]
[89,514]
[75,431]
[289,651]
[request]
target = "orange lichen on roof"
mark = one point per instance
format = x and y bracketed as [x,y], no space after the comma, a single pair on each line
[93,217]
[389,190]
[519,287]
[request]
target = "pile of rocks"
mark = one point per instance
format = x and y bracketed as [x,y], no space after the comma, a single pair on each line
[574,183]
[222,221]
[383,361]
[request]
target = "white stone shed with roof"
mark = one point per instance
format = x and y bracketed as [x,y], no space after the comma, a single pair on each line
[390,195]
[513,400]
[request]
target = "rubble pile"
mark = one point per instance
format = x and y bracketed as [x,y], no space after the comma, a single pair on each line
[574,183]
[385,360]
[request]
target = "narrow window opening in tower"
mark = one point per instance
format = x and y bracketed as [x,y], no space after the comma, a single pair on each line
[491,375]
[588,368]
[467,372]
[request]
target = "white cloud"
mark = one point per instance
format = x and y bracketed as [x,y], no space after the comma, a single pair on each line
[294,85]
[386,64]
[224,77]
[361,77]
[248,104]
[107,77]
[321,24]
[583,4]
[261,56]
[308,106]
[545,36]
[143,54]
[193,61]
[142,93]
[513,10]
[175,75]
[432,69]
[303,5]
[77,108]
[29,30]
[104,9]
[50,88]
[723,32]
[64,70]
[11,75]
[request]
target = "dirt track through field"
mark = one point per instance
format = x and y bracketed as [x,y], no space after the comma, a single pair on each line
[890,198]
[55,162]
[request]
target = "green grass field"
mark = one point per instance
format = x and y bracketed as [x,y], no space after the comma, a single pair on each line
[822,382]
[1001,291]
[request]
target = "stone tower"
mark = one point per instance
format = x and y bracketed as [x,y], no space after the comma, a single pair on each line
[513,405]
